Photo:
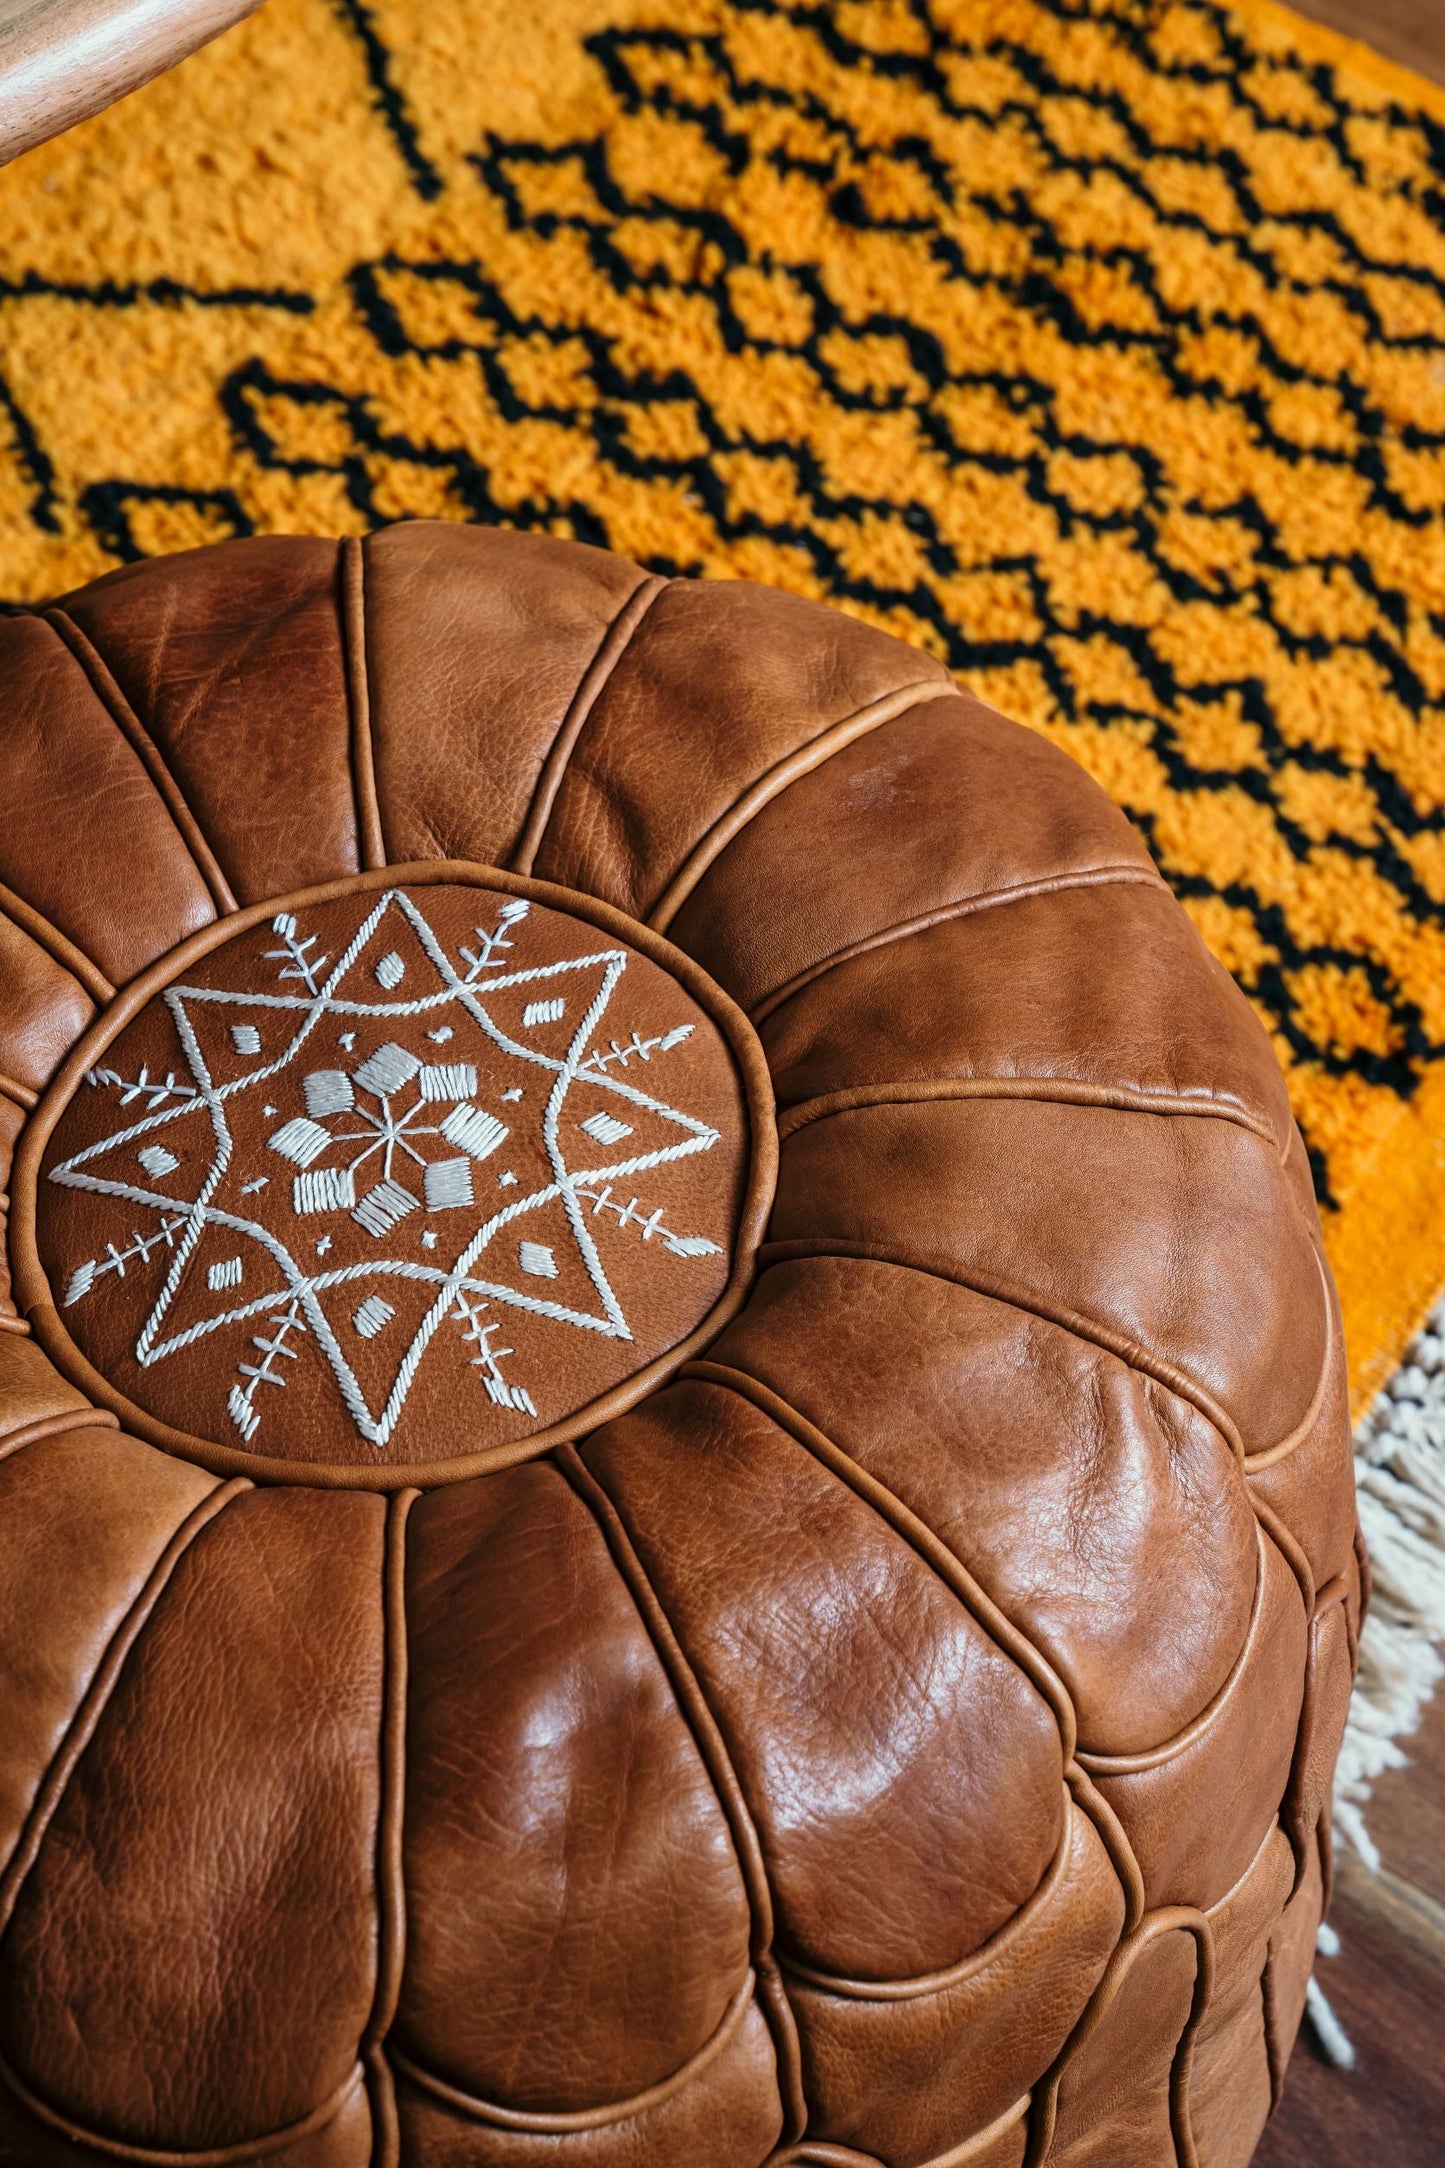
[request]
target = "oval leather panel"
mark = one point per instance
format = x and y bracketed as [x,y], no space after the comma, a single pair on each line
[414,1168]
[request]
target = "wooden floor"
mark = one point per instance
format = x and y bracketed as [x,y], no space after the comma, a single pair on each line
[1387,1987]
[1409,31]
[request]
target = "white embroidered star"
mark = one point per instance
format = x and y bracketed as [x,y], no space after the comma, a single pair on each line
[389,1135]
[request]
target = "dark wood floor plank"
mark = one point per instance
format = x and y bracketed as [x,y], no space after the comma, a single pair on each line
[1389,2111]
[1407,1810]
[1410,32]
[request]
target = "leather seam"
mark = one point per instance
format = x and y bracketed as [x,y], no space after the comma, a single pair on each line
[20,1095]
[390,1881]
[56,1426]
[975,1599]
[229,2156]
[1166,1920]
[585,2119]
[371,852]
[922,1540]
[1268,1455]
[103,684]
[1083,1328]
[1112,875]
[1041,1091]
[922,1986]
[93,1703]
[1123,1765]
[697,1713]
[804,759]
[61,951]
[606,656]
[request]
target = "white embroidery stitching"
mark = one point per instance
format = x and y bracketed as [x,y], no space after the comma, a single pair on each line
[299,1307]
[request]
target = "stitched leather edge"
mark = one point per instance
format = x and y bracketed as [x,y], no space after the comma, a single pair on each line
[55,1426]
[390,1871]
[1046,1090]
[800,762]
[590,687]
[128,723]
[1162,1371]
[582,2119]
[717,1759]
[56,946]
[1121,875]
[371,850]
[94,1701]
[228,2156]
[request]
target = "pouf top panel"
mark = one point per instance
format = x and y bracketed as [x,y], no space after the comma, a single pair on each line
[428,1166]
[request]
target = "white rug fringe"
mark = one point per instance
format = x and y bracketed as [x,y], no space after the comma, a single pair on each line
[1400,1474]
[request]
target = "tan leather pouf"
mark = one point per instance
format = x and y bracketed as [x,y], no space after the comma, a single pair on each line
[674,1481]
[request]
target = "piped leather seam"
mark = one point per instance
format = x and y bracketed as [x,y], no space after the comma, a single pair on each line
[19,1095]
[924,1542]
[585,2119]
[57,947]
[1042,1091]
[590,687]
[94,1701]
[1113,875]
[943,1561]
[391,1889]
[371,852]
[1166,1920]
[102,683]
[804,759]
[1067,1320]
[717,1760]
[55,1426]
[1123,1765]
[947,1977]
[230,2156]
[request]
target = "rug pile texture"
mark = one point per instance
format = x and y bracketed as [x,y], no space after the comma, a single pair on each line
[1097,346]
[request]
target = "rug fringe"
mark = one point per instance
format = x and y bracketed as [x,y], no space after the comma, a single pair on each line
[1400,1475]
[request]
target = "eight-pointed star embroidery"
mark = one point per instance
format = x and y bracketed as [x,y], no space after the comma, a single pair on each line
[344,1199]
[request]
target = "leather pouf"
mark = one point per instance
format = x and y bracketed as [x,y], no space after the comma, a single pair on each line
[674,1479]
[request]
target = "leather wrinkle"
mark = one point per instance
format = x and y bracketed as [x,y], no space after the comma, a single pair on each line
[93,1702]
[707,1732]
[1128,1351]
[1120,875]
[230,2156]
[60,950]
[371,846]
[582,2119]
[589,689]
[986,1614]
[805,759]
[128,723]
[390,1878]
